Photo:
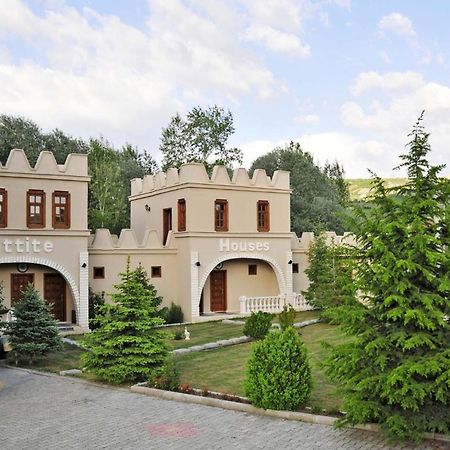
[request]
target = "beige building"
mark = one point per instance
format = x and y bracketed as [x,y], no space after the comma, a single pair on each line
[213,245]
[43,232]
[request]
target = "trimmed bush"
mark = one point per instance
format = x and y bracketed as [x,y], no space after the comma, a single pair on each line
[286,317]
[175,314]
[169,379]
[258,325]
[278,374]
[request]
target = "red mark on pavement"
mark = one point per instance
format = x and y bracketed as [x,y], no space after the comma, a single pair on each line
[177,429]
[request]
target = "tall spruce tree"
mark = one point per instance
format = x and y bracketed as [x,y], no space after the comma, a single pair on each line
[395,371]
[125,346]
[34,332]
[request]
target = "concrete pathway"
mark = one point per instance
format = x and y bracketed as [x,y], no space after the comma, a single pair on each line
[40,411]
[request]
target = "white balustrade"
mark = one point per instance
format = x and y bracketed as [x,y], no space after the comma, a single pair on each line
[272,304]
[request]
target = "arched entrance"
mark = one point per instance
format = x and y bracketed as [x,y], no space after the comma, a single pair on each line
[53,285]
[229,276]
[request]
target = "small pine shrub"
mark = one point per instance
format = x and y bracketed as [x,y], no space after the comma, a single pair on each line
[126,346]
[258,325]
[286,317]
[175,314]
[278,373]
[169,379]
[3,308]
[35,331]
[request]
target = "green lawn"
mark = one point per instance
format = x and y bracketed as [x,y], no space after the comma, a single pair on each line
[202,333]
[224,369]
[68,358]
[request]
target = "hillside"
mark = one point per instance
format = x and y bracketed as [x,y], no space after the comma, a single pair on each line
[360,187]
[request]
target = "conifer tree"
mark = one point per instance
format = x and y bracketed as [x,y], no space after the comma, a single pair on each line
[34,332]
[329,275]
[395,371]
[125,347]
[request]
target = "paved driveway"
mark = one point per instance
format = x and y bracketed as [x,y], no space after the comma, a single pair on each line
[40,411]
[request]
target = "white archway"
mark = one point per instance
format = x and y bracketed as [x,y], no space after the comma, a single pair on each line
[52,264]
[242,255]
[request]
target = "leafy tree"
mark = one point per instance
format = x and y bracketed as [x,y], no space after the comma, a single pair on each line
[62,145]
[278,372]
[107,193]
[201,137]
[34,332]
[395,370]
[315,200]
[18,132]
[125,347]
[336,173]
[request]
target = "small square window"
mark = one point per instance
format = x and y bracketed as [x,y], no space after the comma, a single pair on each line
[252,269]
[99,272]
[156,271]
[295,268]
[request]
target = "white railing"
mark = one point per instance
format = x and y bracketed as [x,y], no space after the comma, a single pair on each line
[272,304]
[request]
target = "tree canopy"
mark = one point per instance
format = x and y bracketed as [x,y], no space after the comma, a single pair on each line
[395,368]
[318,195]
[200,137]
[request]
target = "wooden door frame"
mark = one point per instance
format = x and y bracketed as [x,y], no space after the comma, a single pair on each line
[167,225]
[225,291]
[13,275]
[64,309]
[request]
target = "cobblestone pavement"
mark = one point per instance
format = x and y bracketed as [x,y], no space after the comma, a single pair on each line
[40,411]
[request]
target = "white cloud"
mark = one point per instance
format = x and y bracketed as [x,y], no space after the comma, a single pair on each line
[307,118]
[356,155]
[391,81]
[94,73]
[391,117]
[397,23]
[278,41]
[385,57]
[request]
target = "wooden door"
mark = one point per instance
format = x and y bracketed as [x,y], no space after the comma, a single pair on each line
[55,293]
[19,282]
[167,223]
[218,290]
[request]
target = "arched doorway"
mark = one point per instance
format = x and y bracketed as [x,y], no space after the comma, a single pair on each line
[52,280]
[233,275]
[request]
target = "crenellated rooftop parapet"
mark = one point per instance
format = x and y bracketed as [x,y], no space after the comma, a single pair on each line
[304,241]
[104,240]
[76,165]
[196,173]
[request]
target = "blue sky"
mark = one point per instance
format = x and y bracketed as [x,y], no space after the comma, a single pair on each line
[346,79]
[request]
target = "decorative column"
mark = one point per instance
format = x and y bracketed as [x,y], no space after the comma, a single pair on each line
[289,298]
[83,305]
[195,294]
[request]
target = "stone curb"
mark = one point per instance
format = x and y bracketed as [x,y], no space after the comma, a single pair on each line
[71,342]
[211,345]
[234,406]
[243,407]
[232,341]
